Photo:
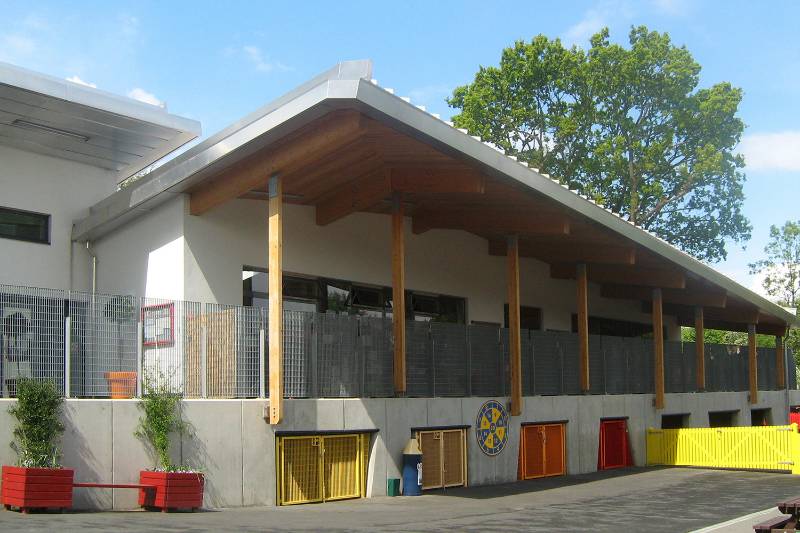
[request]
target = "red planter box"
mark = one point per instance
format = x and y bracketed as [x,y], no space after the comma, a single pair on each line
[173,490]
[37,488]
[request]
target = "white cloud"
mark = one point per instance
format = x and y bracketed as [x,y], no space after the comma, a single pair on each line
[603,14]
[261,62]
[16,46]
[779,151]
[76,79]
[146,97]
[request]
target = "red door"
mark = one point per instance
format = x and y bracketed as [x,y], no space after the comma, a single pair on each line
[613,451]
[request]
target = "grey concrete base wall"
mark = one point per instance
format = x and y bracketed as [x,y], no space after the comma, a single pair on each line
[235,447]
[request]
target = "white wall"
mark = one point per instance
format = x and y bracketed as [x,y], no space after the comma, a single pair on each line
[146,256]
[357,248]
[64,190]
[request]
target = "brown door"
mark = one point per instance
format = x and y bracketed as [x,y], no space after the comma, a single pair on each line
[443,461]
[542,450]
[430,443]
[453,457]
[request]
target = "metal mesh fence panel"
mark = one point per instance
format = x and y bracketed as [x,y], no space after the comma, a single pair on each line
[32,336]
[792,369]
[526,353]
[419,363]
[597,378]
[338,364]
[546,363]
[486,347]
[766,368]
[674,367]
[375,349]
[450,360]
[104,347]
[299,349]
[689,367]
[641,364]
[570,362]
[615,355]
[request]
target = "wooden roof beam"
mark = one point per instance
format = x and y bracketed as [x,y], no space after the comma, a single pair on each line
[326,136]
[623,275]
[693,297]
[358,195]
[570,252]
[427,180]
[728,315]
[491,221]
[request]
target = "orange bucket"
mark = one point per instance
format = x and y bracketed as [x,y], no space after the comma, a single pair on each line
[121,384]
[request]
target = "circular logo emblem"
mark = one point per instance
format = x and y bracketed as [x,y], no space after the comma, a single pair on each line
[491,427]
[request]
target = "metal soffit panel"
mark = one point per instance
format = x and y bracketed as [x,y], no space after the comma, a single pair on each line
[62,119]
[336,89]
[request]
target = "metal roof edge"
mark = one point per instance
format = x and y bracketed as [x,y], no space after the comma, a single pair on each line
[97,98]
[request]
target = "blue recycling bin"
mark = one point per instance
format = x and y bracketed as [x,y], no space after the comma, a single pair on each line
[412,469]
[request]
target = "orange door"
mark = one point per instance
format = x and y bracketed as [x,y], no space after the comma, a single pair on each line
[533,452]
[542,450]
[554,450]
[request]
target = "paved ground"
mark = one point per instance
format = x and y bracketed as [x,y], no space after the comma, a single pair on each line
[653,500]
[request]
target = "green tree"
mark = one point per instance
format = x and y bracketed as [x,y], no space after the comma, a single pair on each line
[781,268]
[625,126]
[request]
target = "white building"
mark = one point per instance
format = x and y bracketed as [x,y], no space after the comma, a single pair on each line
[374,197]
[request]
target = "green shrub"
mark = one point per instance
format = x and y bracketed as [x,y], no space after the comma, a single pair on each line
[39,427]
[160,421]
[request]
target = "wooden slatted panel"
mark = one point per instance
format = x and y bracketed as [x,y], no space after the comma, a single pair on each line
[453,458]
[431,446]
[342,466]
[300,481]
[554,450]
[533,452]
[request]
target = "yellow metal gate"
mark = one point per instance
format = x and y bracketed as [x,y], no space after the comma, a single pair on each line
[317,468]
[757,448]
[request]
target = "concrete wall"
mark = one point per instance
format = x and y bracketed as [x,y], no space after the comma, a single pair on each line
[235,447]
[64,190]
[358,248]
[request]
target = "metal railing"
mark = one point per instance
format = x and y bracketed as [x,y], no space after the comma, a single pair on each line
[100,346]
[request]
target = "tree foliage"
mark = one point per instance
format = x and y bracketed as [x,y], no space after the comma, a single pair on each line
[160,421]
[39,427]
[781,268]
[625,126]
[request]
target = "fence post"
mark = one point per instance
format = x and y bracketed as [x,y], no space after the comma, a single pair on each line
[262,343]
[67,357]
[139,357]
[203,362]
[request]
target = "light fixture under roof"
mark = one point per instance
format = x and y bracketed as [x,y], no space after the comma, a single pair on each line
[49,129]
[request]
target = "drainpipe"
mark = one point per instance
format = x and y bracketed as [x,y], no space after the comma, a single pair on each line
[94,266]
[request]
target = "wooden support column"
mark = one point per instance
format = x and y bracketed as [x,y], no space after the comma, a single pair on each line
[700,348]
[515,346]
[399,293]
[752,362]
[658,348]
[780,363]
[275,275]
[583,326]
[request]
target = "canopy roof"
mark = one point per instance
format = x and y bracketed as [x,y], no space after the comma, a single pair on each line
[60,118]
[343,144]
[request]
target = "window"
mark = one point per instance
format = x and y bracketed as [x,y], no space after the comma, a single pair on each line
[722,419]
[24,225]
[304,293]
[761,417]
[674,421]
[616,328]
[529,317]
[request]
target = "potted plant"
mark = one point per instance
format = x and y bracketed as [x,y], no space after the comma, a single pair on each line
[38,481]
[121,382]
[174,487]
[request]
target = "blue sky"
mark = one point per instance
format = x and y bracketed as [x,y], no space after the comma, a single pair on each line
[217,61]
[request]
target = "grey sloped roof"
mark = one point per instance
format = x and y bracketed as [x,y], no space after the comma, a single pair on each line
[350,85]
